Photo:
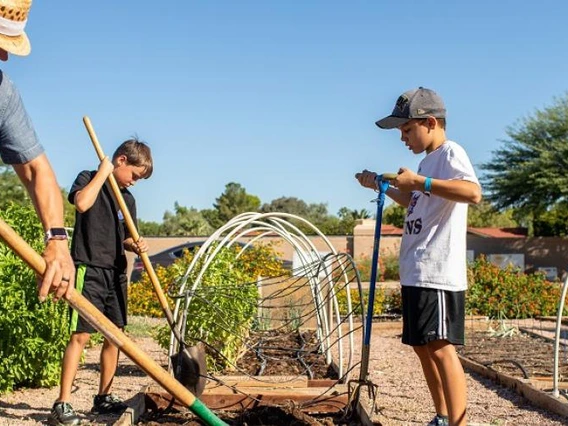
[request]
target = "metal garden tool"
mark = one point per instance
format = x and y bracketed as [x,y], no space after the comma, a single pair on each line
[112,332]
[189,363]
[355,386]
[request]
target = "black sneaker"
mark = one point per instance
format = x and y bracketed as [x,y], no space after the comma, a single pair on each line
[108,404]
[439,421]
[63,414]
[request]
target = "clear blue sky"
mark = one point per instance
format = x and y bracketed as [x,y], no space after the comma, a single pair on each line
[279,96]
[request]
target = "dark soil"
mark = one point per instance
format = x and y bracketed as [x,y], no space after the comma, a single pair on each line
[275,353]
[521,355]
[259,416]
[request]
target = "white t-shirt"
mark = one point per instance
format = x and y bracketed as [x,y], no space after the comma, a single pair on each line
[433,247]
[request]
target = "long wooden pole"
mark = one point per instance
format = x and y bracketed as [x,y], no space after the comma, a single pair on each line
[112,332]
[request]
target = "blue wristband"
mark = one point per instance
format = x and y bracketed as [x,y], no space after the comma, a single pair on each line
[428,185]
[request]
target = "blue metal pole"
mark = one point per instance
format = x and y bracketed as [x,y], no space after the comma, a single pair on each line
[382,186]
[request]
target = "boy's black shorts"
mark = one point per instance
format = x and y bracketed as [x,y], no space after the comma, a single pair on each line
[430,314]
[104,288]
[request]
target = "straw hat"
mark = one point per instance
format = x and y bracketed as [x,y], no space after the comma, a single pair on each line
[13,18]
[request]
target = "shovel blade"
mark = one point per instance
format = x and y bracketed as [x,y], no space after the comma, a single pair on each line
[190,368]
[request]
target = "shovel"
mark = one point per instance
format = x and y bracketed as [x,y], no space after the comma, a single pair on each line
[189,364]
[382,182]
[112,332]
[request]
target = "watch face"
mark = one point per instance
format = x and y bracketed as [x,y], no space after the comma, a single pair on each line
[56,233]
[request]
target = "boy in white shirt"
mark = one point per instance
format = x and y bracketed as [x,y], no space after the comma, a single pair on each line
[433,270]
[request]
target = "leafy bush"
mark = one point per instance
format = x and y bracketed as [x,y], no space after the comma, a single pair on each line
[497,292]
[378,306]
[387,268]
[390,266]
[33,335]
[225,304]
[255,261]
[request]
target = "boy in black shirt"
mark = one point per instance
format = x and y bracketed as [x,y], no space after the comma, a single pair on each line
[100,238]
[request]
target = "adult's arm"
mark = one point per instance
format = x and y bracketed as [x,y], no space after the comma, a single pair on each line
[40,182]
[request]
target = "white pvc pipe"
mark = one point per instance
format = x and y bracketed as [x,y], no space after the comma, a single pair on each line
[245,223]
[555,391]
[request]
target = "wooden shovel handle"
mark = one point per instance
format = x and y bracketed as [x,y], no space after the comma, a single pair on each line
[131,227]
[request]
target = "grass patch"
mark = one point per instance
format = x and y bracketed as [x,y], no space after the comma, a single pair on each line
[140,326]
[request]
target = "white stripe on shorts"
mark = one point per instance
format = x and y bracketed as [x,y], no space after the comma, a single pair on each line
[442,329]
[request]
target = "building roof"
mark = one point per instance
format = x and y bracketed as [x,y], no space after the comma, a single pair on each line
[498,232]
[387,229]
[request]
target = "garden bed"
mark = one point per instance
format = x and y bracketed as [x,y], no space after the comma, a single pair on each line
[277,353]
[287,415]
[512,351]
[283,379]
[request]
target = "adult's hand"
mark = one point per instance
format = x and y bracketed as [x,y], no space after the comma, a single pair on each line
[59,276]
[39,179]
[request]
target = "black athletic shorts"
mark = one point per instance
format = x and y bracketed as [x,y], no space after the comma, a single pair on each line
[430,314]
[104,288]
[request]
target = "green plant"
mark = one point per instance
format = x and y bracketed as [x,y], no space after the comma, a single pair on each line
[390,266]
[255,261]
[33,335]
[364,264]
[496,292]
[387,267]
[359,307]
[224,306]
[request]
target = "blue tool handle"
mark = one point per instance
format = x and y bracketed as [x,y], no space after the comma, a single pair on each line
[382,186]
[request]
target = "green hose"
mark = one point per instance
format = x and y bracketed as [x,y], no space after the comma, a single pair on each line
[206,414]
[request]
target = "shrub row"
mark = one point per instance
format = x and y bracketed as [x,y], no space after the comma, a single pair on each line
[33,335]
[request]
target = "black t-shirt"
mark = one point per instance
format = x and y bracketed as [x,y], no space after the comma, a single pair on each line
[100,231]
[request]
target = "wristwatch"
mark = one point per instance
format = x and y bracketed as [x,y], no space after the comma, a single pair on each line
[55,234]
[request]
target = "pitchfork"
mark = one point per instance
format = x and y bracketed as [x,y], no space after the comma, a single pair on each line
[354,386]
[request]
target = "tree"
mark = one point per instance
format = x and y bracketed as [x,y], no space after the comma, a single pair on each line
[13,191]
[68,210]
[485,215]
[233,202]
[11,188]
[185,222]
[552,223]
[149,228]
[394,214]
[291,205]
[345,213]
[528,172]
[347,218]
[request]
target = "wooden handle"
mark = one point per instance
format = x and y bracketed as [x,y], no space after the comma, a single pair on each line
[99,321]
[386,176]
[132,227]
[389,176]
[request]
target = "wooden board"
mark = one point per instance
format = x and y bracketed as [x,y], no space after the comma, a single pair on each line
[313,399]
[260,382]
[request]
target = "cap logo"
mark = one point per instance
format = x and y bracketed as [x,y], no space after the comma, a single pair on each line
[421,111]
[402,102]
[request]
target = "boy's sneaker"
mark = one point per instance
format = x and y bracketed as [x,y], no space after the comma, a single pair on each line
[439,421]
[108,404]
[63,414]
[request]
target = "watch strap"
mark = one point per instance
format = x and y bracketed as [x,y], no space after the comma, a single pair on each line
[55,234]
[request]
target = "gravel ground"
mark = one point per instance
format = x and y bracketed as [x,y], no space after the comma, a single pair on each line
[402,395]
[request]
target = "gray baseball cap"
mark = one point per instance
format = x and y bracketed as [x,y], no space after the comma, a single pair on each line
[416,103]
